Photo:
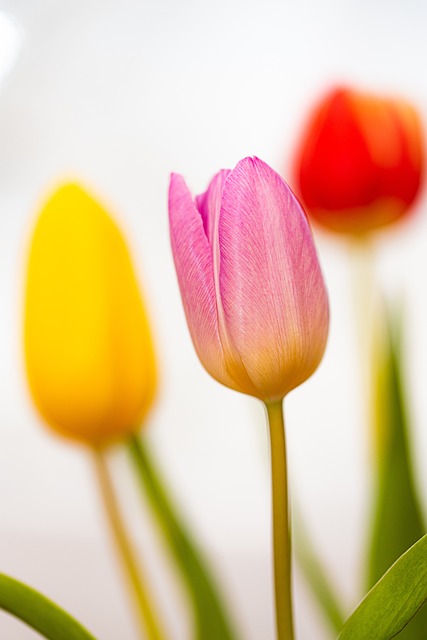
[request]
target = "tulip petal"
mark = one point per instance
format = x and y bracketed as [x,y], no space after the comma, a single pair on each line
[89,354]
[360,161]
[209,204]
[272,291]
[336,169]
[404,178]
[193,261]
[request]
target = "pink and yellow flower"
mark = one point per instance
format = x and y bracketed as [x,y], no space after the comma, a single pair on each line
[250,280]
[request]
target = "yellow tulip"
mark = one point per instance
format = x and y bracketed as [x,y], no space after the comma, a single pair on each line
[89,353]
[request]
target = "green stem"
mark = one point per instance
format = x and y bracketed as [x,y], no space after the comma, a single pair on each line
[211,618]
[281,528]
[147,618]
[38,612]
[316,575]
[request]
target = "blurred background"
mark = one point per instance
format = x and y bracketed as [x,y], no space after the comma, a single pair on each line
[118,95]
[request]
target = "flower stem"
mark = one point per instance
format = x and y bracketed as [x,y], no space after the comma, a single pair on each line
[210,615]
[365,308]
[147,619]
[281,528]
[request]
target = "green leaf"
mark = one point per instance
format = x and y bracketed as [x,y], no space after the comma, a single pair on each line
[316,576]
[210,616]
[394,600]
[397,518]
[38,612]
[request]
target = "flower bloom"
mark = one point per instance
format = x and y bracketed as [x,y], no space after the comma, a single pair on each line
[360,161]
[250,280]
[89,354]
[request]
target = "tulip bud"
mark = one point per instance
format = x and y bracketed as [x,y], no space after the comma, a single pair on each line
[360,161]
[89,354]
[250,280]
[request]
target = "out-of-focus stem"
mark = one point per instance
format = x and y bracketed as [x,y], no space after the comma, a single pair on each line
[150,626]
[365,309]
[363,284]
[210,615]
[281,524]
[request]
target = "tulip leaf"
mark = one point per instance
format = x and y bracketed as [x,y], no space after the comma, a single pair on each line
[393,601]
[210,617]
[39,612]
[397,518]
[316,576]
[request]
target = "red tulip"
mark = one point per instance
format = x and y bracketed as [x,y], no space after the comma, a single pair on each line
[360,161]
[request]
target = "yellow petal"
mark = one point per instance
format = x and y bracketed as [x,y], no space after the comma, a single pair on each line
[88,348]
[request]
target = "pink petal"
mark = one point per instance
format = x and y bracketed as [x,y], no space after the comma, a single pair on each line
[272,291]
[209,203]
[193,261]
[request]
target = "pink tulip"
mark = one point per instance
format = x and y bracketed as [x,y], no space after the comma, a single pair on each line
[250,280]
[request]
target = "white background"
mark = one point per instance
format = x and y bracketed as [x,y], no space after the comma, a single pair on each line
[118,94]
